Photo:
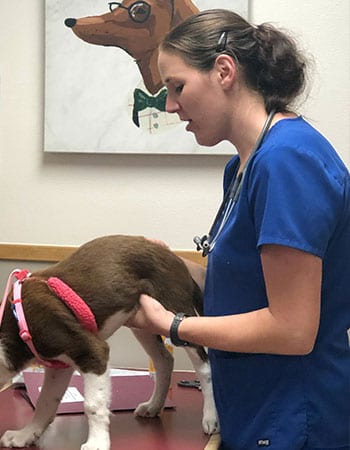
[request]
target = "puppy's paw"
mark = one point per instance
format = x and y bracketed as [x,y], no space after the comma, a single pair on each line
[97,444]
[210,423]
[147,409]
[19,438]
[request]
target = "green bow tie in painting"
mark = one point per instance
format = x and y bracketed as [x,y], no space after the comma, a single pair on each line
[143,101]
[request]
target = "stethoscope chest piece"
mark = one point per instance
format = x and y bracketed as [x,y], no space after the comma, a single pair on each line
[202,244]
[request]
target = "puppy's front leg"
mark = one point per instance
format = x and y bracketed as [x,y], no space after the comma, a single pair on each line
[54,386]
[97,400]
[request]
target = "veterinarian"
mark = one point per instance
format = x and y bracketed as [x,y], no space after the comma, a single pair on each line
[277,297]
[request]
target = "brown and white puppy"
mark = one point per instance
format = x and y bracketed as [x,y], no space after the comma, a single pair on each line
[109,273]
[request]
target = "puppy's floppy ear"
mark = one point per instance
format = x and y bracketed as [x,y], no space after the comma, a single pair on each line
[226,69]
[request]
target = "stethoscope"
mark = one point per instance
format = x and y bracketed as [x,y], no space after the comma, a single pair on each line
[206,243]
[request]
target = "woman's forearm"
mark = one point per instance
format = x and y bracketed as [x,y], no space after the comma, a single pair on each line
[254,332]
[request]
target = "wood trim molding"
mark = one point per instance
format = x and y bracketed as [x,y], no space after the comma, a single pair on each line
[55,253]
[34,252]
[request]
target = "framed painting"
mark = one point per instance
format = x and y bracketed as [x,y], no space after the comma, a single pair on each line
[103,92]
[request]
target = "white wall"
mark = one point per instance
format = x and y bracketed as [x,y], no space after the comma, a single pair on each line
[70,198]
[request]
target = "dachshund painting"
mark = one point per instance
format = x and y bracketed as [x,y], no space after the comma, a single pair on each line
[137,27]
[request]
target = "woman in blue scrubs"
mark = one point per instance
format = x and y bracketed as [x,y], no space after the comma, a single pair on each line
[277,297]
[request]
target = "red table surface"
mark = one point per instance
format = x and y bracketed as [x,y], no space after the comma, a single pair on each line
[175,429]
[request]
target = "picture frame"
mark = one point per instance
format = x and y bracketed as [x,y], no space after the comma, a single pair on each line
[102,96]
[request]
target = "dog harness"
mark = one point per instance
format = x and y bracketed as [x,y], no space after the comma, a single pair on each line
[75,303]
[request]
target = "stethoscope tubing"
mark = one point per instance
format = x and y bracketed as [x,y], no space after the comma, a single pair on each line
[207,242]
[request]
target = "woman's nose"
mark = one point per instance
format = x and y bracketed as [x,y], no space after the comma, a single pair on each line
[171,106]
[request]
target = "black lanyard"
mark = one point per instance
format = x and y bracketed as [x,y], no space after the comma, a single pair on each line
[206,243]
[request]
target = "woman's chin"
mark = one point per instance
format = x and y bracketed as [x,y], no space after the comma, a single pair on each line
[206,141]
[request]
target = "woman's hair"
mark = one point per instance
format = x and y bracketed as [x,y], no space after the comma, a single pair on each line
[269,59]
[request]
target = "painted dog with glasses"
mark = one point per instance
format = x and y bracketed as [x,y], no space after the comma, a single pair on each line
[137,27]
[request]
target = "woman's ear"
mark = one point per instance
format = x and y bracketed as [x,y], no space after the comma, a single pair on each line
[226,69]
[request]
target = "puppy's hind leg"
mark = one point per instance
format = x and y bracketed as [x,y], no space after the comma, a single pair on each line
[163,363]
[54,386]
[210,420]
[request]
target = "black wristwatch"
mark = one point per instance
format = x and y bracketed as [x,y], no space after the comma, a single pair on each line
[174,337]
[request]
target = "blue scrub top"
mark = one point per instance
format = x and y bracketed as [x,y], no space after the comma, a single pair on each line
[296,193]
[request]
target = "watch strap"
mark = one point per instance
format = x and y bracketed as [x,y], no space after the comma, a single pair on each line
[174,336]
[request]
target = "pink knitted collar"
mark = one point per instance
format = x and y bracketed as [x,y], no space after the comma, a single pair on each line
[76,304]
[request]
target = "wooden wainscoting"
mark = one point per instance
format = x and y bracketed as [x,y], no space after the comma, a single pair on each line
[54,253]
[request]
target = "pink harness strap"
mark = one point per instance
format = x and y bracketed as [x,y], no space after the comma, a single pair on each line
[64,292]
[23,327]
[75,303]
[20,275]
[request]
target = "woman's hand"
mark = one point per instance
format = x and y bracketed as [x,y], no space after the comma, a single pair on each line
[151,316]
